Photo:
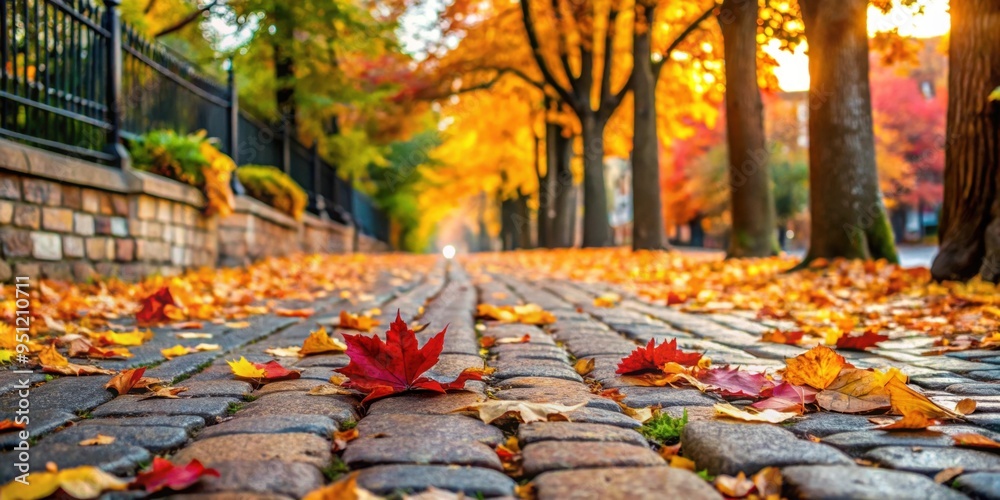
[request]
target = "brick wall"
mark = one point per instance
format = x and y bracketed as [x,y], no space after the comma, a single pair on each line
[64,218]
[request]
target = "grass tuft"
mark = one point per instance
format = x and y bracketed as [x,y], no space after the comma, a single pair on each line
[664,429]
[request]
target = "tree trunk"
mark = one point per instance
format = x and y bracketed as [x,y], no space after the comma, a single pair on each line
[970,232]
[522,222]
[547,187]
[596,228]
[751,200]
[508,237]
[845,203]
[564,195]
[648,232]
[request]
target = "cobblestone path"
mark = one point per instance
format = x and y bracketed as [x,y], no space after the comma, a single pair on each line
[275,442]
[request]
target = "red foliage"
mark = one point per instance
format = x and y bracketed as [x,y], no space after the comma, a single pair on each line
[860,342]
[153,307]
[398,364]
[165,474]
[737,383]
[653,357]
[787,397]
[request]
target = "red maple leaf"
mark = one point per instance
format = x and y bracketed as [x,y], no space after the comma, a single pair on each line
[153,307]
[165,474]
[653,357]
[273,371]
[735,382]
[787,397]
[860,342]
[398,364]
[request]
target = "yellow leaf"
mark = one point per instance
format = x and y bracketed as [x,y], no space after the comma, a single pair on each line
[133,338]
[49,356]
[768,415]
[905,400]
[584,366]
[910,421]
[194,335]
[80,482]
[817,367]
[345,489]
[8,337]
[356,322]
[734,487]
[857,391]
[176,351]
[607,300]
[245,369]
[679,462]
[6,356]
[237,324]
[527,411]
[284,352]
[965,406]
[98,440]
[319,342]
[207,347]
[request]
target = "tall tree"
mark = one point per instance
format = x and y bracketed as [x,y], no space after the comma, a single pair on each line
[848,215]
[578,87]
[752,203]
[648,231]
[970,219]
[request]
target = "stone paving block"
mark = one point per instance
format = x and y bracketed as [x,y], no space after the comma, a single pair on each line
[12,382]
[979,485]
[560,396]
[940,382]
[949,364]
[69,394]
[327,360]
[836,482]
[425,404]
[530,370]
[156,439]
[42,422]
[975,389]
[288,447]
[598,416]
[339,408]
[562,455]
[472,481]
[135,406]
[189,423]
[505,352]
[445,428]
[930,461]
[116,458]
[731,448]
[231,388]
[990,421]
[824,424]
[294,479]
[536,432]
[419,450]
[858,442]
[273,424]
[641,397]
[623,483]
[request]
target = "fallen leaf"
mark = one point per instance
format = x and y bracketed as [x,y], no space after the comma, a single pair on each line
[81,347]
[165,474]
[905,400]
[154,307]
[357,322]
[166,393]
[98,440]
[341,438]
[735,382]
[861,342]
[679,462]
[193,335]
[396,365]
[237,324]
[330,390]
[133,338]
[7,425]
[77,370]
[607,300]
[973,440]
[527,411]
[786,397]
[855,391]
[910,421]
[948,474]
[734,487]
[584,366]
[319,342]
[176,351]
[782,337]
[817,367]
[653,357]
[771,416]
[284,352]
[345,489]
[295,313]
[188,325]
[79,482]
[245,369]
[49,356]
[768,483]
[965,406]
[530,314]
[523,339]
[125,380]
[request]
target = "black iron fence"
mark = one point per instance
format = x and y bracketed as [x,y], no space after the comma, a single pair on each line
[74,80]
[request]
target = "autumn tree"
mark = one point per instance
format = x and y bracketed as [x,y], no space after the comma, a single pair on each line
[752,203]
[582,77]
[848,216]
[970,219]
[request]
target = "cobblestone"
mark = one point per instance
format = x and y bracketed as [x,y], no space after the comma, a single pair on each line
[561,455]
[623,483]
[824,482]
[287,447]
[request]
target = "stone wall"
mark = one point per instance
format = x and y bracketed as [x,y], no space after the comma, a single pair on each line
[65,218]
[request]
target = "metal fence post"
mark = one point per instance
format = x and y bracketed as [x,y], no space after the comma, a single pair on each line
[112,23]
[233,127]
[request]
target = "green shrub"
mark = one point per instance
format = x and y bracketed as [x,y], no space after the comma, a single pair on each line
[191,159]
[273,187]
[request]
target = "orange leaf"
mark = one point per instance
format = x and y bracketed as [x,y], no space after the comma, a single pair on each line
[340,438]
[973,440]
[319,342]
[782,337]
[861,342]
[154,307]
[357,322]
[910,421]
[905,400]
[817,367]
[295,313]
[7,425]
[126,380]
[49,356]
